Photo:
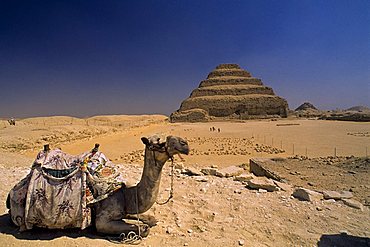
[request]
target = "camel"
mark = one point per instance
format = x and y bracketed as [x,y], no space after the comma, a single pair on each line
[140,198]
[108,214]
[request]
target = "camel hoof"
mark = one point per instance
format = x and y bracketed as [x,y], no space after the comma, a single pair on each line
[149,220]
[144,231]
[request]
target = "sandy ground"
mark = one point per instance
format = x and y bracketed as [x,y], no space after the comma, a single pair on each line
[212,211]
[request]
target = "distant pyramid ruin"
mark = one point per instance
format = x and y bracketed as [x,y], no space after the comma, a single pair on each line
[306,106]
[230,92]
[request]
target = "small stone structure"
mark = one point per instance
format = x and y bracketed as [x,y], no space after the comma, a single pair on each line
[306,106]
[230,92]
[307,110]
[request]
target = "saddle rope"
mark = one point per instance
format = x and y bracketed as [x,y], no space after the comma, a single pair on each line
[171,189]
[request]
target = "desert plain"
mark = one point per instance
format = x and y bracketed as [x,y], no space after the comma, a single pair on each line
[211,210]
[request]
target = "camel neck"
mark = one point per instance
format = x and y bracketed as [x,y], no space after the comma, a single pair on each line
[148,187]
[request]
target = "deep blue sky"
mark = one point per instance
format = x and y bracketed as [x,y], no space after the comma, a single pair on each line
[85,58]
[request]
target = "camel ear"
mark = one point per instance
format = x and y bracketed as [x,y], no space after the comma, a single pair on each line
[145,140]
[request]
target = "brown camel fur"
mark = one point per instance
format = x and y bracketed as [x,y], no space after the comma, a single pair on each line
[109,213]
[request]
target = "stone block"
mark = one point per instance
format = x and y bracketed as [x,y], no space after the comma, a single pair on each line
[284,186]
[353,204]
[230,171]
[244,177]
[191,172]
[346,195]
[307,195]
[209,171]
[328,194]
[262,183]
[257,167]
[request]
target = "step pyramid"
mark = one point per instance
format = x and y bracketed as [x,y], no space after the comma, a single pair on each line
[230,92]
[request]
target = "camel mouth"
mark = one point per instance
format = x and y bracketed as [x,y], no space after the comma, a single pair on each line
[183,150]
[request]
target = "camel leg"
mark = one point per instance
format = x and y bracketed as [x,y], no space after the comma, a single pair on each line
[109,214]
[116,227]
[146,219]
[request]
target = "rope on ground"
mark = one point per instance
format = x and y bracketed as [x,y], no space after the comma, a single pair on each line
[132,238]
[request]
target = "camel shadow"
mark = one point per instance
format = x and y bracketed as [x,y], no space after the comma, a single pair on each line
[7,227]
[343,240]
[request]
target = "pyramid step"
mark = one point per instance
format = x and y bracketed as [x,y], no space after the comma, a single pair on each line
[231,90]
[223,106]
[228,66]
[230,80]
[228,72]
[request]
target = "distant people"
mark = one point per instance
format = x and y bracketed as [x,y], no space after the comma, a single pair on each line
[213,129]
[11,121]
[219,130]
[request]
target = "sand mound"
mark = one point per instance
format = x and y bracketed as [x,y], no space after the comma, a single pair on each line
[33,133]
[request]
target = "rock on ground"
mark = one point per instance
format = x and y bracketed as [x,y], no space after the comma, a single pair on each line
[244,177]
[353,204]
[307,195]
[262,183]
[191,172]
[284,186]
[256,166]
[209,171]
[329,194]
[230,171]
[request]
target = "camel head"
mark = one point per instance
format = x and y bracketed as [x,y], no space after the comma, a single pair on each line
[166,148]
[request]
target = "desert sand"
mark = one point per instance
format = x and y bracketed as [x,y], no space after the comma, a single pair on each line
[208,210]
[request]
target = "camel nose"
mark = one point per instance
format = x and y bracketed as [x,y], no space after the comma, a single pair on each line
[184,147]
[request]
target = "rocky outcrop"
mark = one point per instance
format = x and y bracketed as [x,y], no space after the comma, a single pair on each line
[230,92]
[359,108]
[347,116]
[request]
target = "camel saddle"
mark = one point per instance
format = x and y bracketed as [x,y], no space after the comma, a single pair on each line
[57,194]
